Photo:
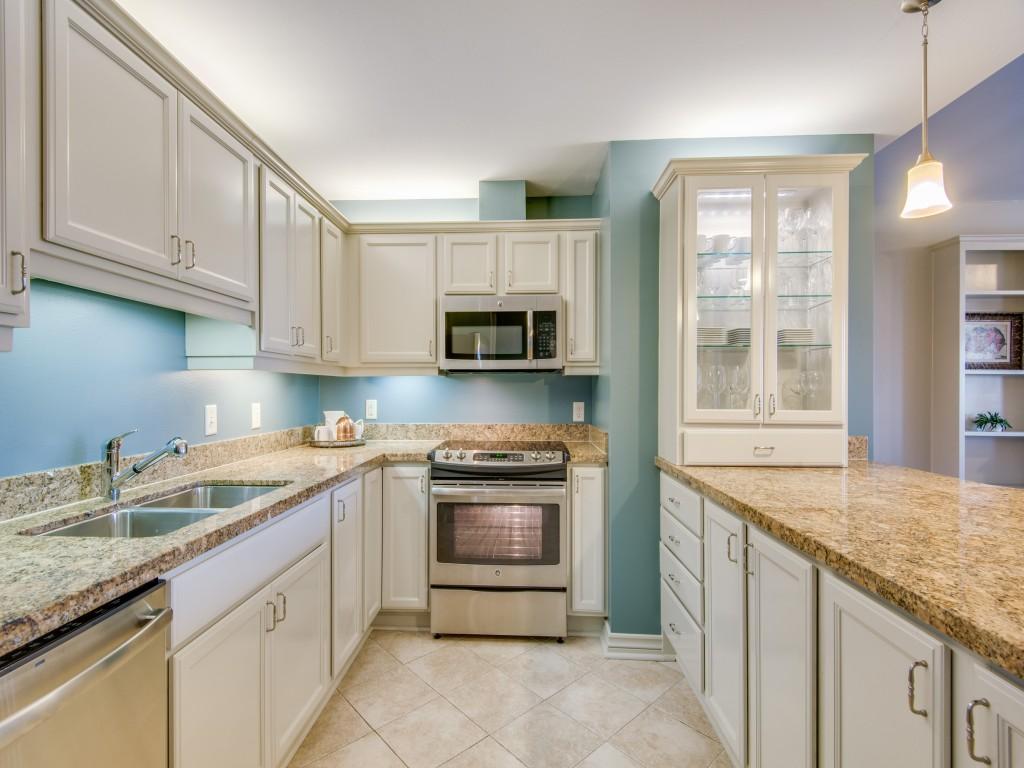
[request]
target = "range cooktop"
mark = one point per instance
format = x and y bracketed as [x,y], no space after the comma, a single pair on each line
[500,453]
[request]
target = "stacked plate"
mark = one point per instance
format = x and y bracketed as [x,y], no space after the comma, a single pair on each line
[739,336]
[796,336]
[709,336]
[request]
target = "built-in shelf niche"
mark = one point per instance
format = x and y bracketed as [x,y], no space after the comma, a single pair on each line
[995,271]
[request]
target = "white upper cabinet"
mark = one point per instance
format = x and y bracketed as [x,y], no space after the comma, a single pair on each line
[397,299]
[530,262]
[110,146]
[277,213]
[588,540]
[469,263]
[331,290]
[217,206]
[305,284]
[581,297]
[14,252]
[405,582]
[346,572]
[884,685]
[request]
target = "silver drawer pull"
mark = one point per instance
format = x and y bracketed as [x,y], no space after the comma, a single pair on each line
[284,607]
[970,732]
[177,250]
[674,629]
[273,616]
[728,547]
[673,539]
[672,577]
[910,688]
[764,450]
[674,500]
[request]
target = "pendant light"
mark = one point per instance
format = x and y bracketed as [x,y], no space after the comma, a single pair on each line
[926,191]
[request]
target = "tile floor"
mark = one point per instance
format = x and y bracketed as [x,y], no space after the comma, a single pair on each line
[412,701]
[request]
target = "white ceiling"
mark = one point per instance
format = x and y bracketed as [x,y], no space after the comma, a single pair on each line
[386,99]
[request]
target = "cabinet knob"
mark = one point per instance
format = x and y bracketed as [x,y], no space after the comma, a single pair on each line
[673,578]
[673,539]
[674,629]
[970,732]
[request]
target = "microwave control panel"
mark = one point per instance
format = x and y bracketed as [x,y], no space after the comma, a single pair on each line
[545,336]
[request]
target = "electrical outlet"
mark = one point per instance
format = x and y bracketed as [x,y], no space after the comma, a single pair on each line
[371,409]
[257,416]
[577,411]
[211,420]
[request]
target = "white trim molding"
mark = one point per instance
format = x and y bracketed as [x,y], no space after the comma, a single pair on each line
[518,225]
[617,645]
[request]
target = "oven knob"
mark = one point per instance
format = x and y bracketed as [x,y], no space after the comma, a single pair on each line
[549,456]
[535,456]
[447,454]
[497,572]
[461,455]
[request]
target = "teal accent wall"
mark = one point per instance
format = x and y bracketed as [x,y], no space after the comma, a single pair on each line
[560,207]
[452,209]
[502,200]
[625,394]
[92,366]
[506,398]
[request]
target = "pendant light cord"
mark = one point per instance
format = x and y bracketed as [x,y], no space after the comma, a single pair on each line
[925,154]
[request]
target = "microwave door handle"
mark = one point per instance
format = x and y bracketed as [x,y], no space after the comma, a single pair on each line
[529,334]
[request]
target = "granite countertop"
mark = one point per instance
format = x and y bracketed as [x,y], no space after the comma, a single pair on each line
[947,552]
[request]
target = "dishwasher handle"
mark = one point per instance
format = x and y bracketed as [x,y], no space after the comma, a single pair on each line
[24,720]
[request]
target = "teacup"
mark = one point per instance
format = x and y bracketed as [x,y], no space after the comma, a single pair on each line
[741,244]
[324,434]
[703,243]
[721,243]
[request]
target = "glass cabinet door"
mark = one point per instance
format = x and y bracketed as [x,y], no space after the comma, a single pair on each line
[722,278]
[805,295]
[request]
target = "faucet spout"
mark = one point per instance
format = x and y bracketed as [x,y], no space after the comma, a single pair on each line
[117,477]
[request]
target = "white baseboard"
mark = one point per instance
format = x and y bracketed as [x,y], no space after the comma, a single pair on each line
[619,645]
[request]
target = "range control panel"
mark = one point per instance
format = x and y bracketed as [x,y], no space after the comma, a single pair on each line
[497,458]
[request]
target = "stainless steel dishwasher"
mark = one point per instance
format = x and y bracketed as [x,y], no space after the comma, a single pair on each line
[92,693]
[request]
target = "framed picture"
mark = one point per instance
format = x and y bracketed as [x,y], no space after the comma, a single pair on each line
[992,340]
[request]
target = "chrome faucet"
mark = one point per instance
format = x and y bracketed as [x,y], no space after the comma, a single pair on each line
[176,447]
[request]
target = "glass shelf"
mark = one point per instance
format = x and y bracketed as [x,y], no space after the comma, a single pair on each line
[802,259]
[780,346]
[785,302]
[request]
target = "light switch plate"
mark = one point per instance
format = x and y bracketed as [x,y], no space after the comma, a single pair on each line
[211,420]
[577,411]
[257,416]
[371,409]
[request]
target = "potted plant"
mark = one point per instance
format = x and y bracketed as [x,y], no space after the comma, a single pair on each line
[991,422]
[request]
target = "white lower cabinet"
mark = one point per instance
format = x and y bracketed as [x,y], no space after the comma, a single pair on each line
[373,532]
[405,579]
[884,692]
[588,540]
[346,572]
[988,716]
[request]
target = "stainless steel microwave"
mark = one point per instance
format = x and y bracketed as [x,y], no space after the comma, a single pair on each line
[502,333]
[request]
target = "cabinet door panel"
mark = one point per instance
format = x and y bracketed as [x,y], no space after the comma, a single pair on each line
[588,540]
[111,145]
[781,649]
[725,658]
[14,252]
[405,538]
[581,296]
[298,649]
[373,530]
[999,727]
[218,206]
[347,573]
[217,698]
[277,211]
[331,251]
[469,263]
[531,262]
[867,653]
[305,285]
[397,301]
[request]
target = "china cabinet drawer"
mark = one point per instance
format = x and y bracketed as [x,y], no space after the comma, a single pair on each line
[682,582]
[765,447]
[683,544]
[683,503]
[686,638]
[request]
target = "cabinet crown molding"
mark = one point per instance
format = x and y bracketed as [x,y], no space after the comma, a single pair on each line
[711,166]
[450,227]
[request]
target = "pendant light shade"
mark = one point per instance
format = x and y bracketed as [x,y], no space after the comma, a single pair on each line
[926,189]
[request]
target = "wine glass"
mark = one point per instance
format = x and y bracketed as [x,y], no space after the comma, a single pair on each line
[716,383]
[739,384]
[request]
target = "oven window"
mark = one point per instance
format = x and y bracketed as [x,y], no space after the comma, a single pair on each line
[497,534]
[485,335]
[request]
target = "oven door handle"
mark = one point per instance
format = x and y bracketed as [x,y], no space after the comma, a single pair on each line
[513,494]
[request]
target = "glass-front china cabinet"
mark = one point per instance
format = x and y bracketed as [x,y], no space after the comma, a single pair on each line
[753,310]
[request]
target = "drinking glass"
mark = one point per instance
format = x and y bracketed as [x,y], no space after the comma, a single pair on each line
[739,384]
[716,383]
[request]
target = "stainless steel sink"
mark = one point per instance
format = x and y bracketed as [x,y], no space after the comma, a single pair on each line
[134,523]
[210,497]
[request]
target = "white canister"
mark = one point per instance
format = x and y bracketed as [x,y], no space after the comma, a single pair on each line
[324,434]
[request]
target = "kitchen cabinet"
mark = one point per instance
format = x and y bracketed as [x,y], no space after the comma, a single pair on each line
[782,663]
[405,581]
[725,658]
[397,299]
[346,572]
[581,297]
[14,251]
[305,283]
[589,540]
[469,263]
[373,532]
[753,310]
[870,657]
[217,229]
[331,289]
[530,262]
[988,716]
[298,650]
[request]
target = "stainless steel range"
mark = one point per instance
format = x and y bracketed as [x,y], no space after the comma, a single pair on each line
[498,539]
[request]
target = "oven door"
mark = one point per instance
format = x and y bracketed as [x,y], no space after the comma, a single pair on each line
[498,536]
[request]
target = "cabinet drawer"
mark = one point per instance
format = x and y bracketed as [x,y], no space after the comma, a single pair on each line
[687,588]
[765,447]
[683,503]
[683,544]
[686,638]
[201,595]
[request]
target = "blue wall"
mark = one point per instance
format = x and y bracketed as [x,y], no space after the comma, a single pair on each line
[92,366]
[453,209]
[626,391]
[560,207]
[514,398]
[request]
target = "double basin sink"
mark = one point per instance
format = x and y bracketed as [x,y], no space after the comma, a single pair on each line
[166,514]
